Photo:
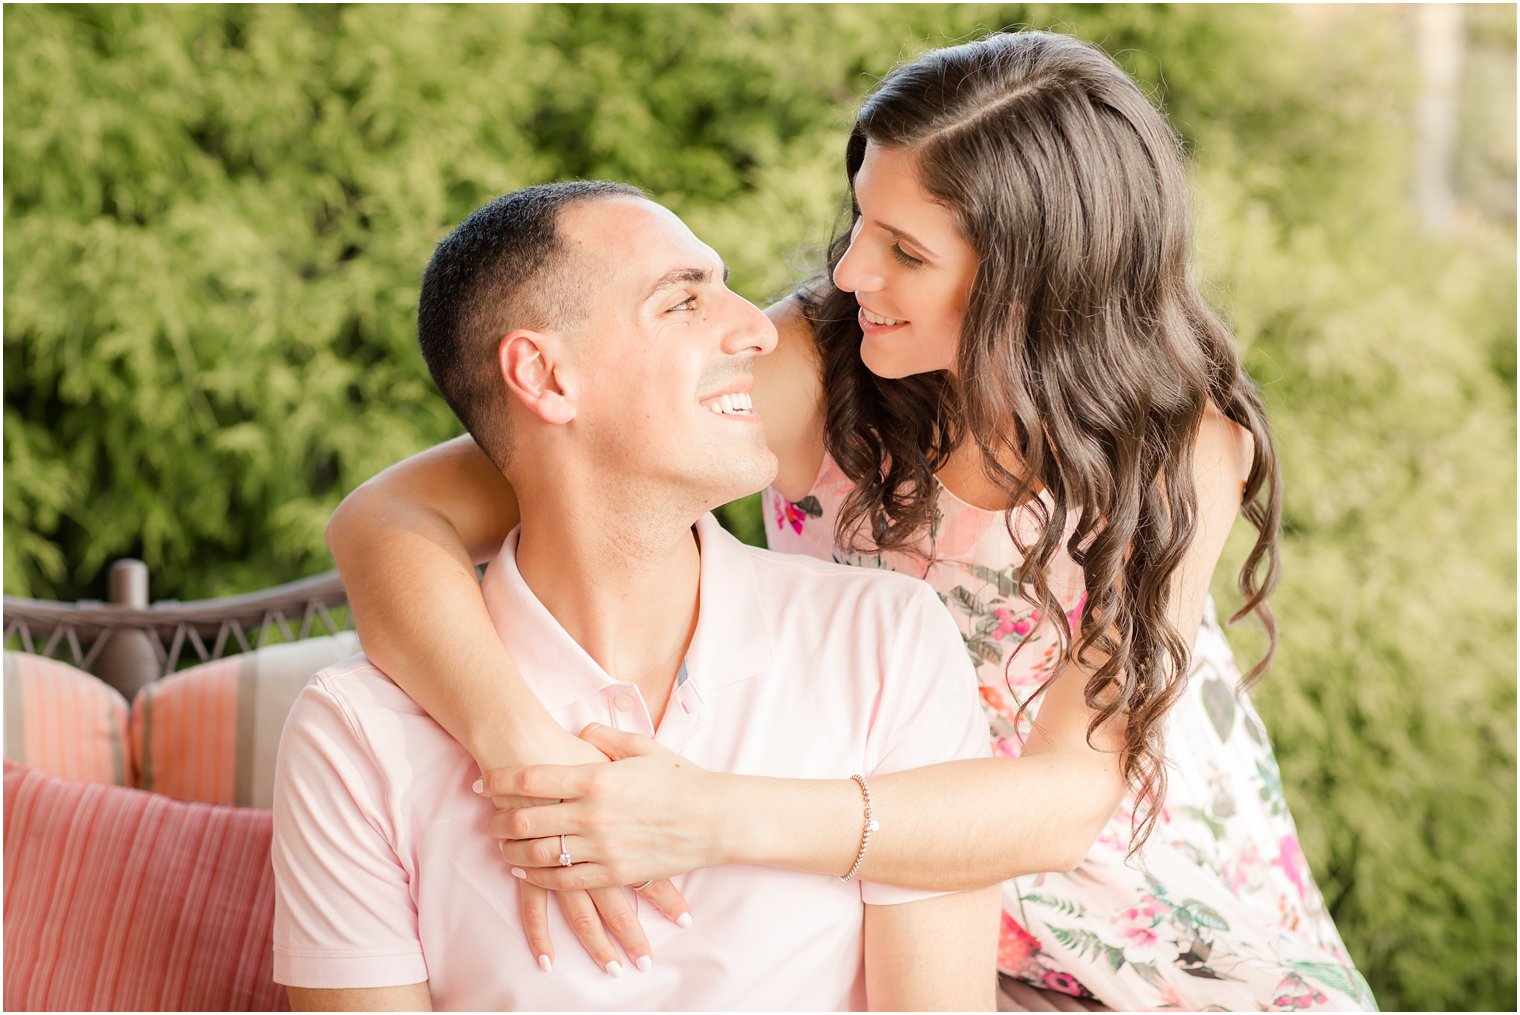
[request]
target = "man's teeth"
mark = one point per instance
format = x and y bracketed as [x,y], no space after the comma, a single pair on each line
[731,405]
[878,319]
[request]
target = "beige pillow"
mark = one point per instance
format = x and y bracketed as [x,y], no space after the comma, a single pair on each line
[210,733]
[65,721]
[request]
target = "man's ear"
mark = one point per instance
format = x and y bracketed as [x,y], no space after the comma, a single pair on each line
[532,377]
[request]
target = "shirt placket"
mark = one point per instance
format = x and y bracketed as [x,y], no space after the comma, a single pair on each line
[627,711]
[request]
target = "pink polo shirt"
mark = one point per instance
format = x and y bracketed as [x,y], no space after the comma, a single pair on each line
[386,875]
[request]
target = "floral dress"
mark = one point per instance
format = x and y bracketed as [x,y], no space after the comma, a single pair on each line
[1219,909]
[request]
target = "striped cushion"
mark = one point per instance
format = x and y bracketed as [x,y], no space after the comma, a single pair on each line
[64,721]
[210,733]
[120,900]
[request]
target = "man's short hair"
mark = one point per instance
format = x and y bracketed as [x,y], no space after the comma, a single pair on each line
[505,267]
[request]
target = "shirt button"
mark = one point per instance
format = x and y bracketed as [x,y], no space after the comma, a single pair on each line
[623,703]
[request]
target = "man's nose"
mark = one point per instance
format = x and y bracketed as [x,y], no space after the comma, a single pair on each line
[751,332]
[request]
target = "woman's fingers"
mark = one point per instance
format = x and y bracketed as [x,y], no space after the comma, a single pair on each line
[533,905]
[618,745]
[662,895]
[546,820]
[586,923]
[617,914]
[538,782]
[544,852]
[563,879]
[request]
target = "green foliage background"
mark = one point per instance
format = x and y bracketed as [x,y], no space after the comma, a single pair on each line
[216,220]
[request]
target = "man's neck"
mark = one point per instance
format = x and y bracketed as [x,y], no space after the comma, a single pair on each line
[625,590]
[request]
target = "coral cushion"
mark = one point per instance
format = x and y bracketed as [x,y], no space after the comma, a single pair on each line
[210,733]
[64,721]
[117,899]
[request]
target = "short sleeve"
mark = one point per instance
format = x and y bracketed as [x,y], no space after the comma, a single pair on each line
[344,913]
[929,712]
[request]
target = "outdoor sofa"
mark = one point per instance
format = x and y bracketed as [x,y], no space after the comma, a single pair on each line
[139,759]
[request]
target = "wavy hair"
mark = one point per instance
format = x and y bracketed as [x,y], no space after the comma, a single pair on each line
[1087,356]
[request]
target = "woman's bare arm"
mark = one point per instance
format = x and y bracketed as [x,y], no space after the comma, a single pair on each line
[406,543]
[969,823]
[956,825]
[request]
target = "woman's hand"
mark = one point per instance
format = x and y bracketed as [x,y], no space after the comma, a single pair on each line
[597,917]
[649,814]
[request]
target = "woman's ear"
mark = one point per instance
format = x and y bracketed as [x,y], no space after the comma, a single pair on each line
[532,377]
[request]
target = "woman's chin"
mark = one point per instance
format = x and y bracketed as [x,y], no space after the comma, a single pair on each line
[889,367]
[881,362]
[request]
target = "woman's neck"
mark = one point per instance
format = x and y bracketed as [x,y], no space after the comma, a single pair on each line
[965,478]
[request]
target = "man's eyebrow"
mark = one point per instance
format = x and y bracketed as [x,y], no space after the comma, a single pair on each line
[684,276]
[907,236]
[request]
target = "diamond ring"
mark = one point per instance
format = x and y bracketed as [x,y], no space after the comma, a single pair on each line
[564,855]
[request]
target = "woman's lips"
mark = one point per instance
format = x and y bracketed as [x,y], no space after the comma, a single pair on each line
[872,328]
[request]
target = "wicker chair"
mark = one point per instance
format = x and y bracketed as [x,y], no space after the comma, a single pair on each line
[129,643]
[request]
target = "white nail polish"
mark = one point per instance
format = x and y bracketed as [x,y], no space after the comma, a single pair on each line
[684,920]
[544,963]
[645,963]
[614,970]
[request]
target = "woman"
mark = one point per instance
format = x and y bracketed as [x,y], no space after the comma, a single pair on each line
[1006,384]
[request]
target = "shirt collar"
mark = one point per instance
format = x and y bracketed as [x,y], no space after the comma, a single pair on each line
[731,641]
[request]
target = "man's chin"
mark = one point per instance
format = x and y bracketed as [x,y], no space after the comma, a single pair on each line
[747,476]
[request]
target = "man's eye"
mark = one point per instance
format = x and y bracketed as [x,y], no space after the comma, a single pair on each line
[906,259]
[689,303]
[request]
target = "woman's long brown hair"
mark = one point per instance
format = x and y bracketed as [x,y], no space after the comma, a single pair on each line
[1087,356]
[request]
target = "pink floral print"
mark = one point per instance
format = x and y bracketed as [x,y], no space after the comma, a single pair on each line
[1219,909]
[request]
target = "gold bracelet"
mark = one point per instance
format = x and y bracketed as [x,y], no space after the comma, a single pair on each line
[870,827]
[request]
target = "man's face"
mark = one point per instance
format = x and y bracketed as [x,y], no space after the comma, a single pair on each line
[664,356]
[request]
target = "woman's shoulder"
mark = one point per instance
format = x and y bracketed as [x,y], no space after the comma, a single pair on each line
[1222,452]
[795,346]
[789,398]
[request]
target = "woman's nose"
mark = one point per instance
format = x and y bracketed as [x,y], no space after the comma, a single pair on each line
[853,274]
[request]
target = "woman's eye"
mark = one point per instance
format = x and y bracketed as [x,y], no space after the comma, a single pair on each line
[906,259]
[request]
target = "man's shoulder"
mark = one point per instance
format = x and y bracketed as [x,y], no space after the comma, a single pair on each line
[353,709]
[787,579]
[356,685]
[829,576]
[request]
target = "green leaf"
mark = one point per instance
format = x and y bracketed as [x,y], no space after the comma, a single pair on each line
[968,601]
[809,506]
[1203,915]
[1005,580]
[1219,702]
[983,650]
[1336,977]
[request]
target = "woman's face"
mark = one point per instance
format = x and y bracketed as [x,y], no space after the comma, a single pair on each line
[909,267]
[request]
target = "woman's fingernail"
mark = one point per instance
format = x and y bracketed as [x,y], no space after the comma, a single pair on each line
[614,970]
[518,872]
[644,962]
[684,920]
[479,786]
[544,963]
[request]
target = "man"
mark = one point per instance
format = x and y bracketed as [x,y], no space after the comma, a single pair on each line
[587,340]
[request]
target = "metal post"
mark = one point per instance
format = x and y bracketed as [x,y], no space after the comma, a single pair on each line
[127,661]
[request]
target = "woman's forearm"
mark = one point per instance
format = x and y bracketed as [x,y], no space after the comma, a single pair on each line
[409,573]
[957,825]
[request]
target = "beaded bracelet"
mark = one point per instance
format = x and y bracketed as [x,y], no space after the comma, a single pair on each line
[871,826]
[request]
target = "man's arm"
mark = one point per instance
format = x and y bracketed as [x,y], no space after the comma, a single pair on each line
[345,924]
[938,954]
[412,997]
